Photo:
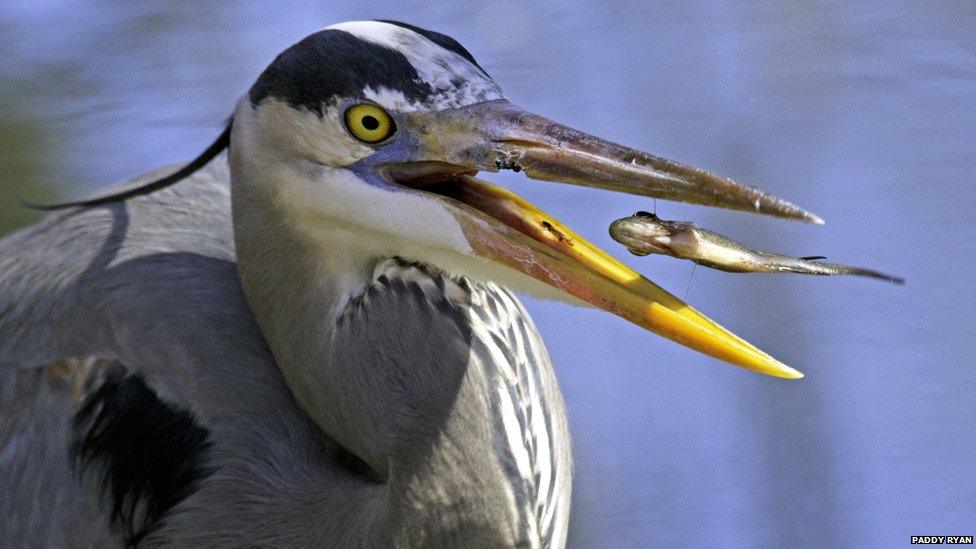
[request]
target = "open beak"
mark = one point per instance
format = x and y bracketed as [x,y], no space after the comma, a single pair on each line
[507,229]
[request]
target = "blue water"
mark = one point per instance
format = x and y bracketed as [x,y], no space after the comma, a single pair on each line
[864,114]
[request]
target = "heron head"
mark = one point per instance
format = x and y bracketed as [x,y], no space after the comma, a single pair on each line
[375,131]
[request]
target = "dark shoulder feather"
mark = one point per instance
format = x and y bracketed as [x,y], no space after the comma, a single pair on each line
[147,454]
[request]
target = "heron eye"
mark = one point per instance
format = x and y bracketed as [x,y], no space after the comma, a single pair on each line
[369,123]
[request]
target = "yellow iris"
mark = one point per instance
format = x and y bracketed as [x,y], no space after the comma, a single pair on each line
[369,123]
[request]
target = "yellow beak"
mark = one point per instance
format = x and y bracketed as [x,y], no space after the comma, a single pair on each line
[529,240]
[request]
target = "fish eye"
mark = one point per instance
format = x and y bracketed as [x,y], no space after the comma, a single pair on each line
[369,123]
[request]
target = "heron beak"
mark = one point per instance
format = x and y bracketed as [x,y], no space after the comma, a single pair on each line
[505,228]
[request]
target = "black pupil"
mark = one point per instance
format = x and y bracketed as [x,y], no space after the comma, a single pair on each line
[370,122]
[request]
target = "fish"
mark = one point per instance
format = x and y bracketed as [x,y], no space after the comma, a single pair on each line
[645,233]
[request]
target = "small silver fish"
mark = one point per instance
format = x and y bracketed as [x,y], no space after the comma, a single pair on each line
[644,233]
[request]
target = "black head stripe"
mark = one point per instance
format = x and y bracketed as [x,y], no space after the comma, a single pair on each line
[331,64]
[222,142]
[441,40]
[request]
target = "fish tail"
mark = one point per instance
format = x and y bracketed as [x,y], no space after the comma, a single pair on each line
[838,269]
[873,274]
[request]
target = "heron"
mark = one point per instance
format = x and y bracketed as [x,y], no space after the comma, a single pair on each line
[309,335]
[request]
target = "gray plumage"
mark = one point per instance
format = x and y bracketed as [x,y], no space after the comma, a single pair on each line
[152,284]
[180,372]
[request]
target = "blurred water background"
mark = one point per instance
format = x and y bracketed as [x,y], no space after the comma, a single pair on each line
[864,113]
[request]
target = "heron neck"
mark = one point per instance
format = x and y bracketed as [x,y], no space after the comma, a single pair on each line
[395,364]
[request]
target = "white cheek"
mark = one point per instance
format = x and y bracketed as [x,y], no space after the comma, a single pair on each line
[382,220]
[350,219]
[280,155]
